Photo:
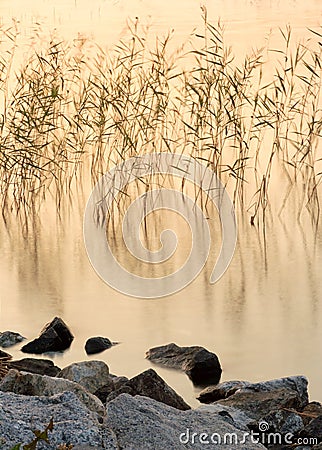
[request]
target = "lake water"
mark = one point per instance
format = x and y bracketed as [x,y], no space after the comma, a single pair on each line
[262,319]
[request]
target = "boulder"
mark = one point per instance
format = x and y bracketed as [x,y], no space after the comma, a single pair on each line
[73,422]
[9,338]
[150,384]
[92,375]
[118,381]
[227,389]
[97,345]
[32,384]
[257,404]
[55,337]
[143,423]
[34,365]
[201,366]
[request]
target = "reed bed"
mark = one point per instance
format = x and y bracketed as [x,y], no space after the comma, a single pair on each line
[73,109]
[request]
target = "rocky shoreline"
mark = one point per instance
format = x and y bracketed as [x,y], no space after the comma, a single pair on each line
[84,406]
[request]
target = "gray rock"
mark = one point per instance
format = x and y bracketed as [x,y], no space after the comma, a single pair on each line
[296,383]
[313,430]
[150,384]
[97,345]
[55,337]
[311,411]
[228,388]
[118,381]
[73,422]
[34,365]
[257,404]
[36,385]
[201,366]
[141,423]
[235,416]
[92,375]
[9,338]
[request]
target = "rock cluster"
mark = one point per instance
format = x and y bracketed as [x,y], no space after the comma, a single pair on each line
[93,409]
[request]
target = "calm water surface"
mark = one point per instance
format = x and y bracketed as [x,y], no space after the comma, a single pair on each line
[263,318]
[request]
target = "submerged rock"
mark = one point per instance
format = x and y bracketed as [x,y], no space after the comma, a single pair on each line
[97,345]
[55,337]
[32,384]
[74,423]
[150,384]
[201,366]
[143,423]
[10,338]
[92,375]
[34,365]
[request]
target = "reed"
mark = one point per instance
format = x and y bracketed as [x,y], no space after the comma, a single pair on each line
[74,110]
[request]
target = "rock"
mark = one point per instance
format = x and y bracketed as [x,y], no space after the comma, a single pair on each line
[228,388]
[118,381]
[313,430]
[33,365]
[233,415]
[32,384]
[9,338]
[73,422]
[220,391]
[257,404]
[97,344]
[5,355]
[92,375]
[311,411]
[281,421]
[201,366]
[86,447]
[143,423]
[150,384]
[295,383]
[55,337]
[104,391]
[114,383]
